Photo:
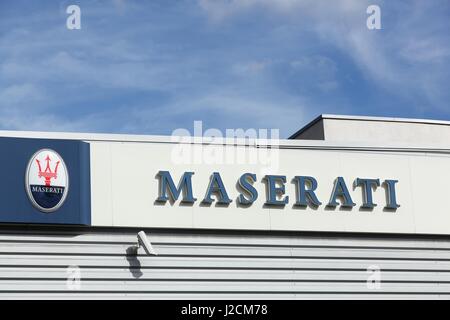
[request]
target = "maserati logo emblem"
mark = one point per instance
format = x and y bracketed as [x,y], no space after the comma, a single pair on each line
[47,180]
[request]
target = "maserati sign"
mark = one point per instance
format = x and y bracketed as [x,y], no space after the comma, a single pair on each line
[275,185]
[47,180]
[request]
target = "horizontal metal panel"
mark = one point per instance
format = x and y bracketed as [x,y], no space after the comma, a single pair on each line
[225,250]
[219,262]
[33,264]
[209,296]
[221,287]
[118,274]
[150,296]
[175,238]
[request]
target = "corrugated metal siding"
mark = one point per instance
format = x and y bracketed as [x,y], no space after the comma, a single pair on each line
[233,265]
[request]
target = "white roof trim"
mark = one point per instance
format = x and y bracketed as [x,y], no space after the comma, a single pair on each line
[385,119]
[282,143]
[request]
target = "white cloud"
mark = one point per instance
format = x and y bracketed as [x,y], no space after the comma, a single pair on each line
[425,50]
[397,58]
[20,94]
[251,67]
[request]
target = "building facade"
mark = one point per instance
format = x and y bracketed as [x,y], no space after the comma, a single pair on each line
[350,207]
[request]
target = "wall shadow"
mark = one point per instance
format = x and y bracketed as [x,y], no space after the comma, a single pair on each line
[133,261]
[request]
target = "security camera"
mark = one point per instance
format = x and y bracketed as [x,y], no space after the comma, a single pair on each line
[144,243]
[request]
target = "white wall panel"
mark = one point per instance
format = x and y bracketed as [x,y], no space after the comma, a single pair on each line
[127,197]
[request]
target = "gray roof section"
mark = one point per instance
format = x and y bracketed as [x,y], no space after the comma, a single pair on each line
[367,118]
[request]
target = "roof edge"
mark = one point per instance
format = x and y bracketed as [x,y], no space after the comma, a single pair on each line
[384,119]
[277,143]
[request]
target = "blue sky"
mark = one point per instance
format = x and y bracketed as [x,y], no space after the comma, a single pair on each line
[150,67]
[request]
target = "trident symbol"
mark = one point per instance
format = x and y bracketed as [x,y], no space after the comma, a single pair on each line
[47,173]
